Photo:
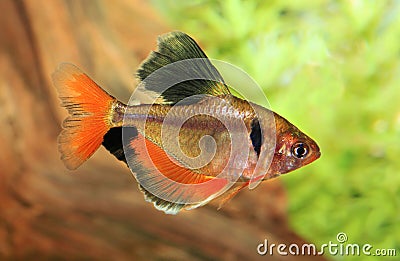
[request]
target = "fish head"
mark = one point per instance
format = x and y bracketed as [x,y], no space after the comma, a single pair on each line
[293,149]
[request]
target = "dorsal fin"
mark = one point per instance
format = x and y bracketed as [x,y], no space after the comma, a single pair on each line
[192,64]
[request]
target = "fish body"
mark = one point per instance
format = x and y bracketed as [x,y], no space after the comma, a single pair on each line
[194,143]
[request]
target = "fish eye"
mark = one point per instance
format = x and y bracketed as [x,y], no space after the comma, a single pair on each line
[300,150]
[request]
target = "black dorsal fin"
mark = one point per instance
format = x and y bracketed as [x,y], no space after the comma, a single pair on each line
[175,47]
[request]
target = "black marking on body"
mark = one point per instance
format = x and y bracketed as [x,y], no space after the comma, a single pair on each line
[113,142]
[256,136]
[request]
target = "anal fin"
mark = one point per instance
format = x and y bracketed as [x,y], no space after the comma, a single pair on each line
[176,187]
[168,185]
[160,204]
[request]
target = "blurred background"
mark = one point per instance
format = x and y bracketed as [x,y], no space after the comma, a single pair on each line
[332,68]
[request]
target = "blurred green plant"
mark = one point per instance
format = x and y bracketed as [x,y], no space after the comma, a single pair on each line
[333,69]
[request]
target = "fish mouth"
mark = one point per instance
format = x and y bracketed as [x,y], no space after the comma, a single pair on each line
[316,155]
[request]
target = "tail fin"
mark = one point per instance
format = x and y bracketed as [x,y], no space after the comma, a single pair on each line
[89,107]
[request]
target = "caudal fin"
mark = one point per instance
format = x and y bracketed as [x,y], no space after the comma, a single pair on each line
[89,109]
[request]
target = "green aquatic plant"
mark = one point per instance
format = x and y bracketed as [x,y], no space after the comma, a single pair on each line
[333,69]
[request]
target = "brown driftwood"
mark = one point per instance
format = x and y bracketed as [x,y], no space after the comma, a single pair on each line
[97,212]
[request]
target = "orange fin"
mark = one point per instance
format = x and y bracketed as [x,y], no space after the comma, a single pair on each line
[176,187]
[89,108]
[232,192]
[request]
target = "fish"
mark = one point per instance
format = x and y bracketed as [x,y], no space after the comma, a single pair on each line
[194,143]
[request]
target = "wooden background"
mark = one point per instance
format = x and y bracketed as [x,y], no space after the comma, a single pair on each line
[97,212]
